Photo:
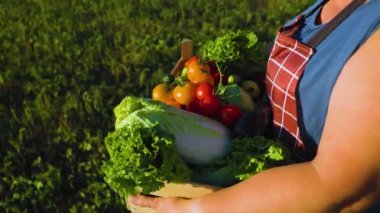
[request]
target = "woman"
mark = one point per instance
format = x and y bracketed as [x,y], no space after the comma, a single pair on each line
[323,80]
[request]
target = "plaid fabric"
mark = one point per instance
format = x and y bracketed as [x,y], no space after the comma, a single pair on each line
[285,67]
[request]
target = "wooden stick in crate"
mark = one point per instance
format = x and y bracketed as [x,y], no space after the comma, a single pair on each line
[186,53]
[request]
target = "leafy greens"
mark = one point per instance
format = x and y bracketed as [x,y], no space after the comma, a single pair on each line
[248,156]
[230,47]
[235,52]
[142,160]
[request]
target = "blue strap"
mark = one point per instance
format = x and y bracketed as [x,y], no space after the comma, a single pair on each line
[334,23]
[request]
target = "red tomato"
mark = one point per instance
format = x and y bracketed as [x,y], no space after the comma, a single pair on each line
[204,90]
[210,106]
[229,114]
[184,94]
[213,67]
[216,77]
[193,106]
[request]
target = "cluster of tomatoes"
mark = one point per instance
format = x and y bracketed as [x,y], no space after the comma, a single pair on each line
[194,91]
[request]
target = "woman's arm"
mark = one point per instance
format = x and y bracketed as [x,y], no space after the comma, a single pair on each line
[345,172]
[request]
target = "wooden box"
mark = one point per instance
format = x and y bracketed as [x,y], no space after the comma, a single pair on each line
[186,190]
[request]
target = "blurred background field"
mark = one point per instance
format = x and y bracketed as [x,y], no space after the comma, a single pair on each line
[64,66]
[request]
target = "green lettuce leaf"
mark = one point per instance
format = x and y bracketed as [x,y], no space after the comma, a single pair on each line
[248,156]
[142,160]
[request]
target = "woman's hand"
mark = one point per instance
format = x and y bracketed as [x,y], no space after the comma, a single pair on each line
[165,204]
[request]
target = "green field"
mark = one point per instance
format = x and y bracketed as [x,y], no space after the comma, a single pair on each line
[64,66]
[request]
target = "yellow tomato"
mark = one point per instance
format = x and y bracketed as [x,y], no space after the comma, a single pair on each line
[199,73]
[184,94]
[161,92]
[172,103]
[203,78]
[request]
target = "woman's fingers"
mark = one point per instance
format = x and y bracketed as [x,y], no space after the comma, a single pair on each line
[144,201]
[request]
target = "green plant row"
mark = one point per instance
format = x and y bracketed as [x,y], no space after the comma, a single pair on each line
[64,66]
